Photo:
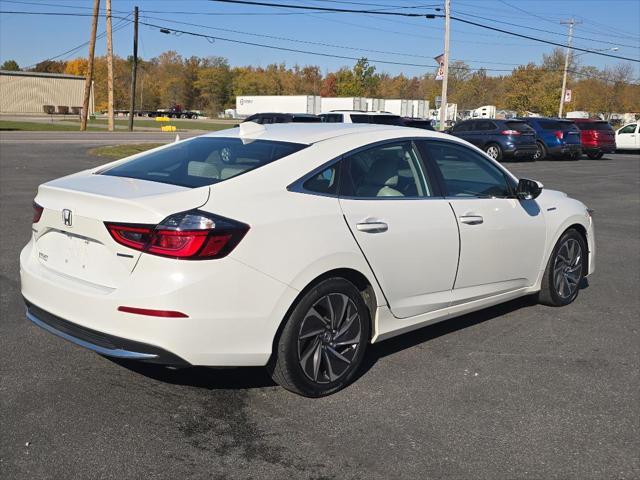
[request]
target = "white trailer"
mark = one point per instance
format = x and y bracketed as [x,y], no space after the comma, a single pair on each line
[419,108]
[249,104]
[486,111]
[343,103]
[578,114]
[398,106]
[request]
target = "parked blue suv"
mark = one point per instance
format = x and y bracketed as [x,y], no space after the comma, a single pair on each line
[555,137]
[499,138]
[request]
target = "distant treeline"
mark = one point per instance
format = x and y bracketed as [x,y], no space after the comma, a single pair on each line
[210,84]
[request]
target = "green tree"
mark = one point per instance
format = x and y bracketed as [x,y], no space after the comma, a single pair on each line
[10,65]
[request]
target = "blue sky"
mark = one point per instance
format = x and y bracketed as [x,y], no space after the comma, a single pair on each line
[606,24]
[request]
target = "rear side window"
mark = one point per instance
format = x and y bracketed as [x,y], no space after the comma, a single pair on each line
[594,126]
[549,124]
[203,161]
[518,126]
[324,182]
[305,119]
[386,120]
[356,118]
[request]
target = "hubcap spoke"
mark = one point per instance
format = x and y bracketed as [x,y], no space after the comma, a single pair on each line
[567,268]
[329,338]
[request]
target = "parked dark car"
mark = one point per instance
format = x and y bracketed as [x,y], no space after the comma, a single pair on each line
[597,137]
[418,123]
[500,139]
[265,118]
[555,137]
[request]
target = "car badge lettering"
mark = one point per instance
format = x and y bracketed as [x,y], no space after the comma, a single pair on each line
[67,217]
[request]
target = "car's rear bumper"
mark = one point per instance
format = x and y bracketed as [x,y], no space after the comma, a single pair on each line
[605,148]
[570,148]
[233,311]
[102,343]
[521,151]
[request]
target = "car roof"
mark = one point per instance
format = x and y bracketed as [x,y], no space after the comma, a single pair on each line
[588,120]
[309,133]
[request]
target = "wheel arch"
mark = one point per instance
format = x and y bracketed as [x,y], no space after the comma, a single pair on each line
[357,278]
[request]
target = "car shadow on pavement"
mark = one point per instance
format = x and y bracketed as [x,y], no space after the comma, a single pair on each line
[210,378]
[425,334]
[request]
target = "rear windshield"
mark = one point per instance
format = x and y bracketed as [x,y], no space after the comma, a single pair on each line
[203,161]
[594,126]
[518,126]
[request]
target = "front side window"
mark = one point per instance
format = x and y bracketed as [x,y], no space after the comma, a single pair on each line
[462,127]
[628,129]
[389,170]
[203,161]
[485,125]
[467,173]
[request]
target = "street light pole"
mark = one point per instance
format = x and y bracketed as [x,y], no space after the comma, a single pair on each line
[445,72]
[571,23]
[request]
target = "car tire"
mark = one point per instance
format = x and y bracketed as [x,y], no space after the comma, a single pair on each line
[541,152]
[572,156]
[494,151]
[595,155]
[323,341]
[565,270]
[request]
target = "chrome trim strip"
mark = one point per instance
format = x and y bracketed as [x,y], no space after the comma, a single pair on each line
[101,350]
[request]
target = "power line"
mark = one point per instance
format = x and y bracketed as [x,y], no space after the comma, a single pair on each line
[123,22]
[541,29]
[424,15]
[327,9]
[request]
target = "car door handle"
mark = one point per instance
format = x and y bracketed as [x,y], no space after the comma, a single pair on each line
[471,219]
[372,227]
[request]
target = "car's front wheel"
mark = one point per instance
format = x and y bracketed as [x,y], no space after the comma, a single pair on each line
[565,270]
[323,340]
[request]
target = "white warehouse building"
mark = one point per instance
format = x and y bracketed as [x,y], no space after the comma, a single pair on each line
[29,93]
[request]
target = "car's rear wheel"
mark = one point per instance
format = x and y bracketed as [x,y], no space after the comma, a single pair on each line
[541,151]
[565,270]
[323,340]
[494,151]
[595,155]
[572,156]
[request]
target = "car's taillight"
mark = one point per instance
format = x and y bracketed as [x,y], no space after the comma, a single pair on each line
[510,132]
[559,134]
[192,235]
[37,212]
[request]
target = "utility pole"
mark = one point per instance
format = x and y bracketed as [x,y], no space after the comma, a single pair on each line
[89,78]
[571,23]
[134,69]
[109,68]
[445,73]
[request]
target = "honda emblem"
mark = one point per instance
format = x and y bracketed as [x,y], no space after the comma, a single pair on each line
[66,217]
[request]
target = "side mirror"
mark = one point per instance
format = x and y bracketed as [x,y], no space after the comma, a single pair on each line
[528,189]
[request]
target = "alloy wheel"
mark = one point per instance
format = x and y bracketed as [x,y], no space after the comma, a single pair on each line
[538,154]
[567,268]
[329,338]
[493,152]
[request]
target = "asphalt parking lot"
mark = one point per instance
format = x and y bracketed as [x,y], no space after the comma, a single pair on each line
[515,391]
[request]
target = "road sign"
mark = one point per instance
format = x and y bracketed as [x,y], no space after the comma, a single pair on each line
[440,60]
[567,96]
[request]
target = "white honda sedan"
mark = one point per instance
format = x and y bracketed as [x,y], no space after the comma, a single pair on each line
[293,247]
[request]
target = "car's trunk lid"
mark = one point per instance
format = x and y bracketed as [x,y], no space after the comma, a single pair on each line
[71,238]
